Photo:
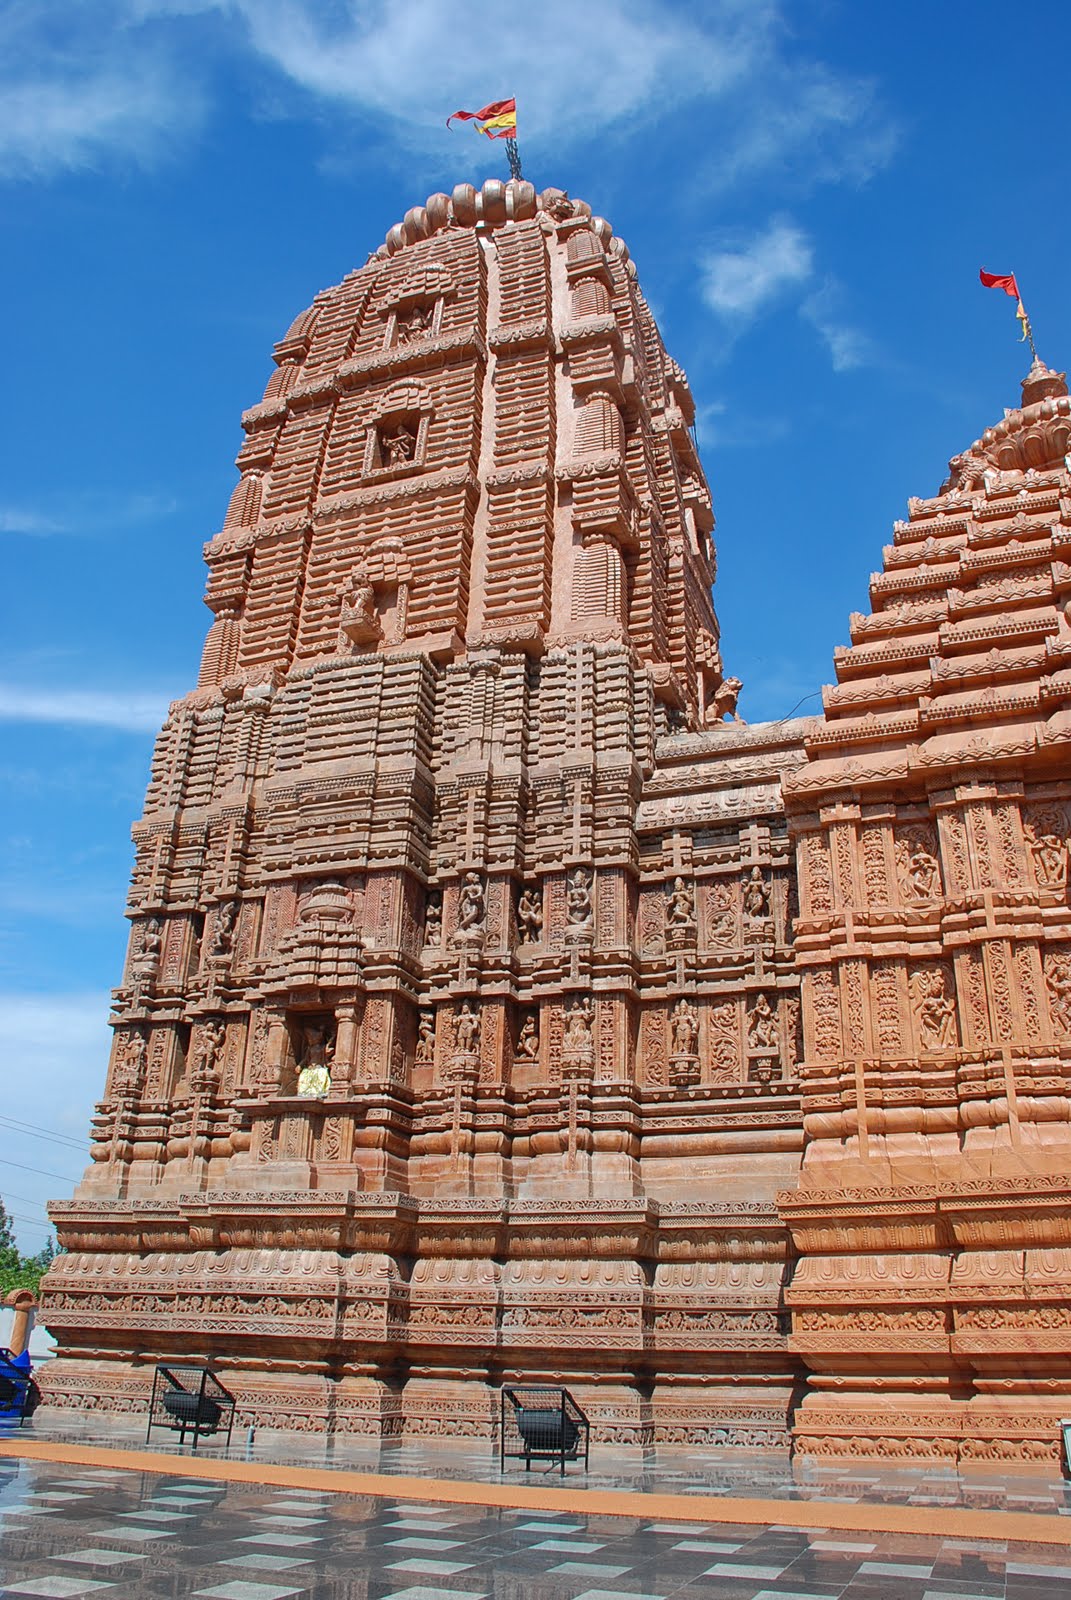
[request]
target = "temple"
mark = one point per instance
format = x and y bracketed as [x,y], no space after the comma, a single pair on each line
[495,1008]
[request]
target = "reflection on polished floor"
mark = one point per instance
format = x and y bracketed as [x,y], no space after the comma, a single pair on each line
[69,1531]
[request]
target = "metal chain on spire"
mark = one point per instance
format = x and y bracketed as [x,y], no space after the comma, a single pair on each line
[514,160]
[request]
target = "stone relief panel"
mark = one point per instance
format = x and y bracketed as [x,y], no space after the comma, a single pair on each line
[724,1044]
[1057,968]
[918,873]
[933,1007]
[1047,830]
[722,914]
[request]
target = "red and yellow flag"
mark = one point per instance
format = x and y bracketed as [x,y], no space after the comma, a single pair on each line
[497,121]
[1006,281]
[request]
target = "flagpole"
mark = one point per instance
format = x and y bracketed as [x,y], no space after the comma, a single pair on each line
[1028,332]
[514,160]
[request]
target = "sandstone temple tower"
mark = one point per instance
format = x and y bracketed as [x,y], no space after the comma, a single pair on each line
[460,1037]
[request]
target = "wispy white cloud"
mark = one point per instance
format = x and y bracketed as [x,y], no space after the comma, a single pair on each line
[741,280]
[131,76]
[745,278]
[848,346]
[85,511]
[720,426]
[129,712]
[23,519]
[78,84]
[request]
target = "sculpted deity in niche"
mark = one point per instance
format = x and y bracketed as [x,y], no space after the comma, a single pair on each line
[425,1047]
[528,1039]
[151,940]
[359,602]
[317,1050]
[762,1026]
[935,1013]
[471,904]
[223,933]
[213,1034]
[578,897]
[756,896]
[131,1061]
[530,917]
[467,1028]
[412,323]
[1048,849]
[684,1038]
[577,1040]
[1058,983]
[680,905]
[433,919]
[397,445]
[921,878]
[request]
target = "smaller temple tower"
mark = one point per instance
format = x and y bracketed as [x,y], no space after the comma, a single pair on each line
[932,1301]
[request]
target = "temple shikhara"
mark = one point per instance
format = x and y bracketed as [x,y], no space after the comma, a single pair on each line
[498,1005]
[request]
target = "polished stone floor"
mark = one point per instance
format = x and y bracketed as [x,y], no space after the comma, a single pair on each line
[71,1531]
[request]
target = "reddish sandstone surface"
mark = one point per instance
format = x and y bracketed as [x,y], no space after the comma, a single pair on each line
[460,1036]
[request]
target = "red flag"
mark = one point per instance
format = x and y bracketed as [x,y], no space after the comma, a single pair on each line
[497,108]
[996,280]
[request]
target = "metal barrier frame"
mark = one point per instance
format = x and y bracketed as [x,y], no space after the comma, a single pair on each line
[565,1428]
[198,1384]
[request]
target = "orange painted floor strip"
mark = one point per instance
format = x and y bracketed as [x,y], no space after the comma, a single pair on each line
[930,1521]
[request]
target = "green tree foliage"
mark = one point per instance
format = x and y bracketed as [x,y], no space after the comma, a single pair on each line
[18,1271]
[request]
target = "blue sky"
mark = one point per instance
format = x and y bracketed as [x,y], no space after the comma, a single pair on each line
[808,191]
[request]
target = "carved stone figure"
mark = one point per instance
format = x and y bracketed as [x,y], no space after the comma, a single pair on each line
[151,940]
[578,897]
[756,896]
[131,1061]
[1048,850]
[467,1028]
[762,1025]
[528,1039]
[412,323]
[921,879]
[577,1040]
[213,1034]
[684,1040]
[935,1013]
[471,906]
[680,906]
[530,917]
[1058,983]
[397,444]
[359,619]
[724,700]
[317,1051]
[223,933]
[425,1046]
[433,919]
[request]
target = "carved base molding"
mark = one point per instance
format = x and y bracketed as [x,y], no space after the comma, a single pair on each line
[434,1409]
[946,1433]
